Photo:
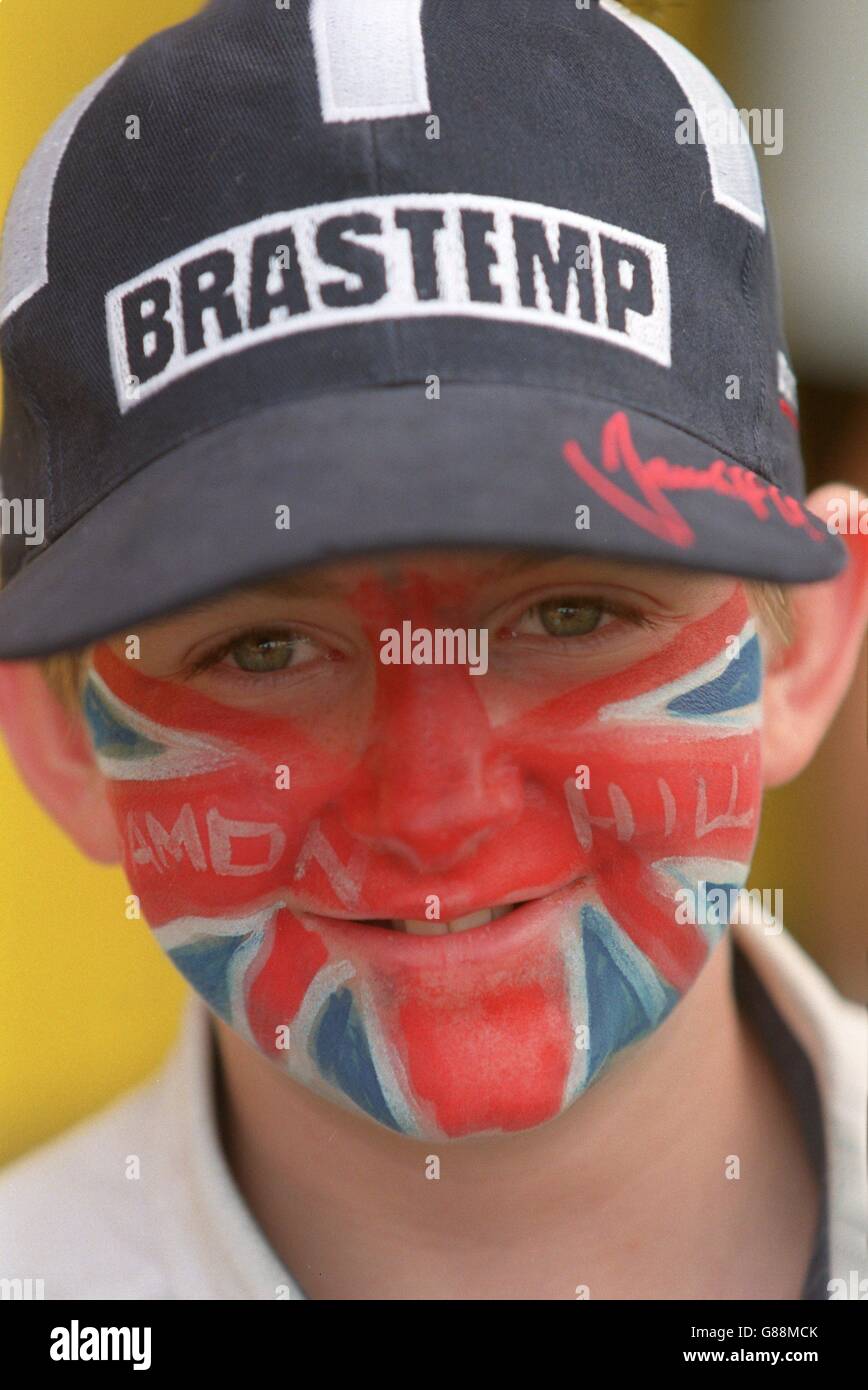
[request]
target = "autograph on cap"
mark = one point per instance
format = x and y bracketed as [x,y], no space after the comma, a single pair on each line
[656,476]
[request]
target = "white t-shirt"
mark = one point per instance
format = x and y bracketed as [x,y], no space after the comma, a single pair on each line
[70,1217]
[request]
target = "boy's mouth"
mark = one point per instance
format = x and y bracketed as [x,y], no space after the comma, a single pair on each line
[455,926]
[422,927]
[479,939]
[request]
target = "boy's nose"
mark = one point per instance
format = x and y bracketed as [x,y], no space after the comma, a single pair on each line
[433,783]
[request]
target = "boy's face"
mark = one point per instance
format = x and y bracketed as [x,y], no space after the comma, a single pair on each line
[445,895]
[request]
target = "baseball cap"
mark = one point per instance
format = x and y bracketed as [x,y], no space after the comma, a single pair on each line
[293,282]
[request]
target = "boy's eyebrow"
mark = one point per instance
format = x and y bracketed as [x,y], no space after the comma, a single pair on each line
[289,586]
[301,586]
[510,563]
[295,586]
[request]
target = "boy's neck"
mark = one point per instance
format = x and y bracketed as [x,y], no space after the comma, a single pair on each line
[626,1193]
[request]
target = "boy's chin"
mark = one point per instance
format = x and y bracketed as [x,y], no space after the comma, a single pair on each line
[459,1051]
[485,1127]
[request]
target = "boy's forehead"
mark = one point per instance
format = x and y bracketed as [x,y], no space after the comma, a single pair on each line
[482,565]
[448,576]
[392,568]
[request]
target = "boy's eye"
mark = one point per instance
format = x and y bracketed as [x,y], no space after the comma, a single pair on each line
[564,619]
[260,653]
[567,616]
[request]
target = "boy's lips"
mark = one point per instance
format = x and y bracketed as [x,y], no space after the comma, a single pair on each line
[515,921]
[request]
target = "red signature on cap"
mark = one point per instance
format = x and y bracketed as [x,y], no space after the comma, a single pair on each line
[655,477]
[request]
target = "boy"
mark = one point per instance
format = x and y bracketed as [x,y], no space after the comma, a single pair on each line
[420,490]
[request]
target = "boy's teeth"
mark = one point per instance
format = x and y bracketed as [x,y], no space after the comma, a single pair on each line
[473,919]
[417,928]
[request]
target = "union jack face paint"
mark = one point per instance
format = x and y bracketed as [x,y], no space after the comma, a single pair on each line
[446,787]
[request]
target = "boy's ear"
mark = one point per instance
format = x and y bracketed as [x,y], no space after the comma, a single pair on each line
[805,683]
[53,754]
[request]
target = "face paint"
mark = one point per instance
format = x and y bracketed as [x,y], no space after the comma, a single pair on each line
[454,789]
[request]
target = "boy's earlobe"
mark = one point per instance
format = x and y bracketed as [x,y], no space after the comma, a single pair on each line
[54,757]
[806,681]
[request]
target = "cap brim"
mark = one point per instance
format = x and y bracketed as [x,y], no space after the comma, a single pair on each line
[385,468]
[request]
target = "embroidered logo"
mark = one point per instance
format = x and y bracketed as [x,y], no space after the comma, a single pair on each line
[385,258]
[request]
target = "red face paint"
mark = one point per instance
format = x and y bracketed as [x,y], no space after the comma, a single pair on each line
[445,793]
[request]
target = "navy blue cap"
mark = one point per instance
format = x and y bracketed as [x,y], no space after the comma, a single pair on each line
[294,282]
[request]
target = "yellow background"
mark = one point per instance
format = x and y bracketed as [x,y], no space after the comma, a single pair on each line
[88,1003]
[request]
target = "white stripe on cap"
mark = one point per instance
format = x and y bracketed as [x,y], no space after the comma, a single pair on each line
[370,59]
[24,257]
[735,179]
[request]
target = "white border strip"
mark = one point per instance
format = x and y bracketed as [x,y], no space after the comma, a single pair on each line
[24,260]
[735,179]
[370,59]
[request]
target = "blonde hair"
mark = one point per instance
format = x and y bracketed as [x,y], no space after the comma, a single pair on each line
[64,674]
[770,605]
